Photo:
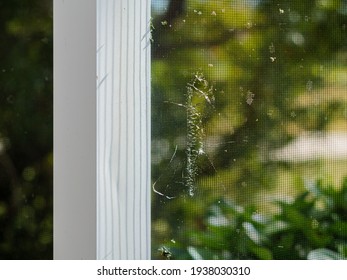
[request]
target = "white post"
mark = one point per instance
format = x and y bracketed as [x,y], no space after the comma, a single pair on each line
[123,134]
[74,129]
[101,129]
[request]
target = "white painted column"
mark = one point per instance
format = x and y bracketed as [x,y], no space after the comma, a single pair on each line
[74,129]
[123,129]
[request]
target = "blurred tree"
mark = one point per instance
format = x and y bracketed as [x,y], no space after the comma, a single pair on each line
[271,65]
[26,129]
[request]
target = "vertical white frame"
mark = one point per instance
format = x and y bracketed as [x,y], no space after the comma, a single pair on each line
[123,98]
[74,125]
[101,129]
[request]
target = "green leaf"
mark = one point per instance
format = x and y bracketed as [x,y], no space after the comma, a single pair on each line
[323,254]
[262,253]
[340,229]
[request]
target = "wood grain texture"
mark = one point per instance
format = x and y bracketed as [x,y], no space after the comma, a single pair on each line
[123,129]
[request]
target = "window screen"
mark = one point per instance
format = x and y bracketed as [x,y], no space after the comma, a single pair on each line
[26,130]
[249,129]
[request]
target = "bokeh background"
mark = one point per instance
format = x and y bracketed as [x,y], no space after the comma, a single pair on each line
[26,129]
[270,181]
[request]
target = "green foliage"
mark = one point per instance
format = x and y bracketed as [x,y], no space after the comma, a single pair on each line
[274,67]
[312,226]
[26,129]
